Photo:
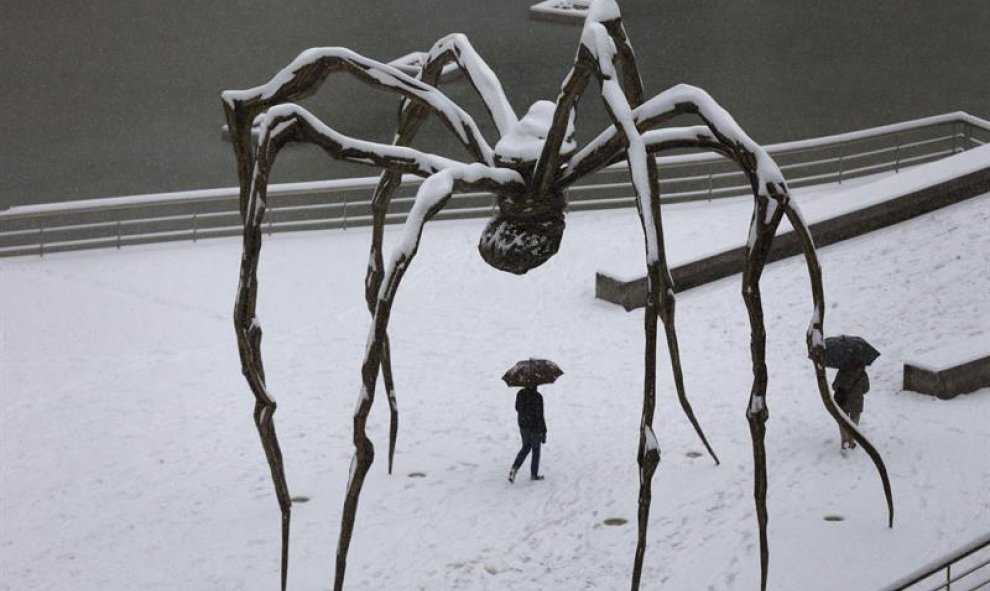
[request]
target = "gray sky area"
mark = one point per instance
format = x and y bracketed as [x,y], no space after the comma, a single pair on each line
[117,97]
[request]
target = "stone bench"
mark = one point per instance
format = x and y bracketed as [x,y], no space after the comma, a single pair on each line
[949,371]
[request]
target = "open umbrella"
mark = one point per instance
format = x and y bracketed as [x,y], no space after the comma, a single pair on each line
[849,351]
[532,372]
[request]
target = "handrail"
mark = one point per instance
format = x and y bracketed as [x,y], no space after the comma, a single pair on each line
[944,565]
[307,187]
[341,203]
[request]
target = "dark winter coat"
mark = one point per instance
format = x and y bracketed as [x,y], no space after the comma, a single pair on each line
[529,405]
[850,385]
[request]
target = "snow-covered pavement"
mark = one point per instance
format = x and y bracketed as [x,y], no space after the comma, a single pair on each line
[129,457]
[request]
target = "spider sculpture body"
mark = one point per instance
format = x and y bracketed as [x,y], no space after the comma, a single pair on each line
[528,171]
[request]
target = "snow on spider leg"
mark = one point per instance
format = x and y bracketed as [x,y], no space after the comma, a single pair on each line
[726,136]
[283,124]
[770,191]
[598,47]
[304,76]
[432,195]
[453,49]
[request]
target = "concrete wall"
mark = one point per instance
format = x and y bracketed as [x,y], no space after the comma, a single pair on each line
[951,382]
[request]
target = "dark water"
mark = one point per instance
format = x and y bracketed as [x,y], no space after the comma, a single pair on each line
[117,97]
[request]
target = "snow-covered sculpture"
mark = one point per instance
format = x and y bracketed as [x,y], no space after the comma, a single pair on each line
[528,170]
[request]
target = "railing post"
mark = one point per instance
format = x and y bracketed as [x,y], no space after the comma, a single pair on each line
[955,137]
[967,135]
[118,231]
[271,220]
[842,154]
[710,171]
[194,226]
[897,154]
[345,211]
[41,239]
[948,577]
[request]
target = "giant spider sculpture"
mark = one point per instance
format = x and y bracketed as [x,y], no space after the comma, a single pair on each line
[528,170]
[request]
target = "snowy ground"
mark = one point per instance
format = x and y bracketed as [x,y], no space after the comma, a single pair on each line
[130,461]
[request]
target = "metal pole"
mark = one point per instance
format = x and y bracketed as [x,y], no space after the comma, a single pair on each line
[41,240]
[271,219]
[842,153]
[710,167]
[897,155]
[118,231]
[955,137]
[194,226]
[948,577]
[345,211]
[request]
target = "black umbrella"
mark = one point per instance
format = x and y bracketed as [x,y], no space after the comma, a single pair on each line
[532,372]
[849,351]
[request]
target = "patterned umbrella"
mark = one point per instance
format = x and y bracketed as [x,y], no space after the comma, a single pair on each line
[849,351]
[532,372]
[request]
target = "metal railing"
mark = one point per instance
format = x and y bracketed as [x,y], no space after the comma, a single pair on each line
[196,215]
[966,569]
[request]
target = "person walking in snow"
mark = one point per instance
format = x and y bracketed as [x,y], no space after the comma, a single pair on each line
[532,429]
[850,385]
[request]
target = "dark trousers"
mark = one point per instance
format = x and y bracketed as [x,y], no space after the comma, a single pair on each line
[531,440]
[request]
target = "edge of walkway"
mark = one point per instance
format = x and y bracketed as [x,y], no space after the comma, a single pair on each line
[888,201]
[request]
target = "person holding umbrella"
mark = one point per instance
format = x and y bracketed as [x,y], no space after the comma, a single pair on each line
[850,355]
[529,374]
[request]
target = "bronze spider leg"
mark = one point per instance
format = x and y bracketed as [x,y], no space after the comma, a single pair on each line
[432,195]
[762,232]
[303,77]
[721,133]
[750,158]
[763,227]
[816,352]
[458,49]
[632,86]
[603,45]
[660,298]
[283,124]
[599,54]
[298,80]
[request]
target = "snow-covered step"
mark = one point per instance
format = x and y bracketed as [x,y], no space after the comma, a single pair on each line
[846,214]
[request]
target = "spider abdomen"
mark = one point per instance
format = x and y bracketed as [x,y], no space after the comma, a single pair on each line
[518,244]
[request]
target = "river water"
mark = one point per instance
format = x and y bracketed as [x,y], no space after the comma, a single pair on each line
[117,97]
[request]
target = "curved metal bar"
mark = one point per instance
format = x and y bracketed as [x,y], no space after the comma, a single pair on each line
[762,231]
[303,77]
[632,86]
[772,203]
[604,47]
[679,100]
[816,352]
[284,124]
[432,195]
[456,48]
[598,53]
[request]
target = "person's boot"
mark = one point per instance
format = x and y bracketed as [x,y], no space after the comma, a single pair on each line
[536,477]
[512,475]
